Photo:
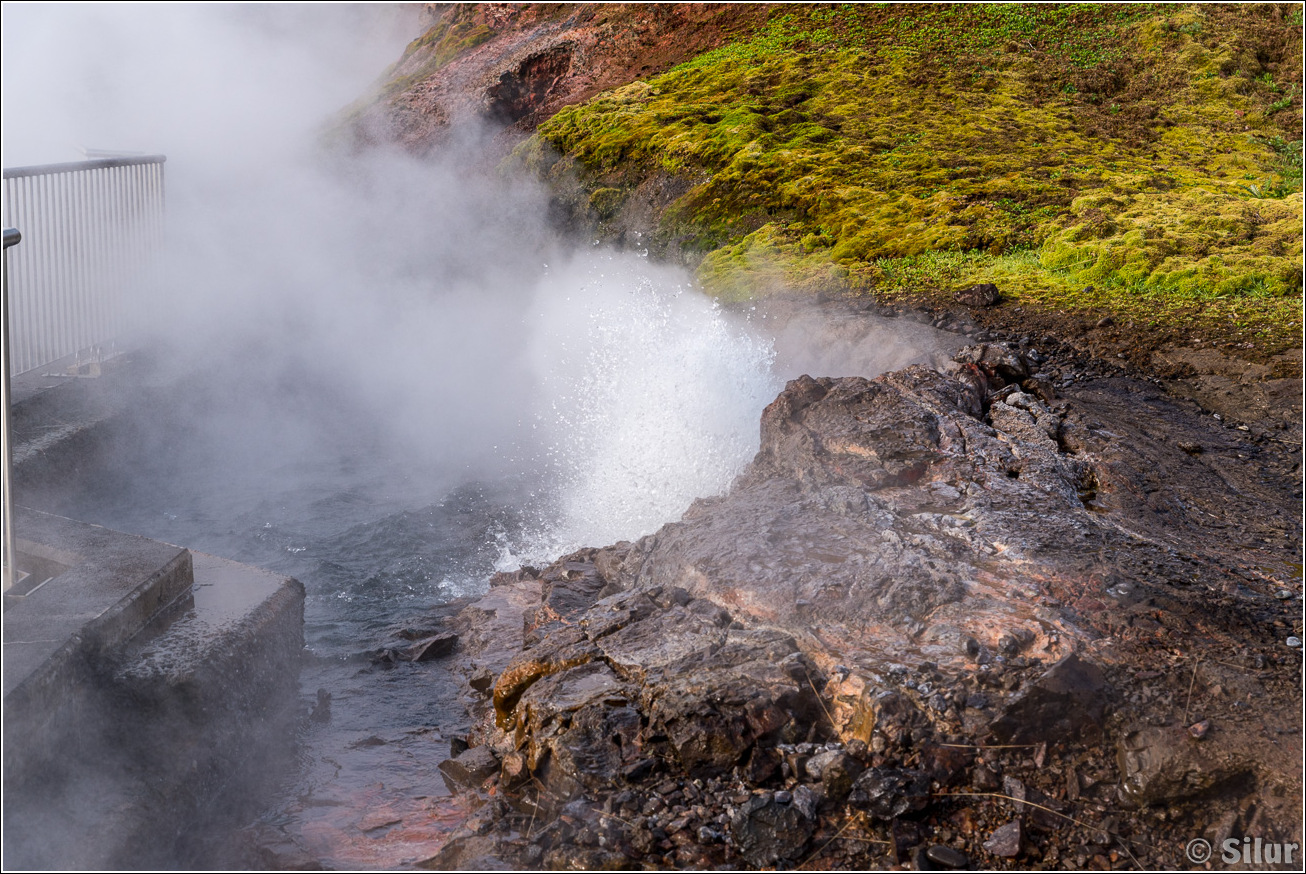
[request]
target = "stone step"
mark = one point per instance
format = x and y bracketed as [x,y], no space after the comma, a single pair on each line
[145,688]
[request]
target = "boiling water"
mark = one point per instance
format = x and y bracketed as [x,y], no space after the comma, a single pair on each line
[644,396]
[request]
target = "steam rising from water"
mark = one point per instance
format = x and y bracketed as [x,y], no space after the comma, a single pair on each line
[377,300]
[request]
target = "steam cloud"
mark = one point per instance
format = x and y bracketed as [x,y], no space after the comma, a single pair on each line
[379,299]
[407,306]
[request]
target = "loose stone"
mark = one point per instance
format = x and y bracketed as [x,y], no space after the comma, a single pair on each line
[947,856]
[1006,840]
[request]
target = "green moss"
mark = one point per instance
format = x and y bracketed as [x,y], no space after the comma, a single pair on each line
[606,201]
[1140,150]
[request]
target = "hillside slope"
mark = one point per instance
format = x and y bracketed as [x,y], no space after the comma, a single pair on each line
[1141,162]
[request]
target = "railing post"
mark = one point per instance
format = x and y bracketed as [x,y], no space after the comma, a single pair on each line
[11,238]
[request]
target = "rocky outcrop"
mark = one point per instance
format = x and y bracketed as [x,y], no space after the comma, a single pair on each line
[940,616]
[515,64]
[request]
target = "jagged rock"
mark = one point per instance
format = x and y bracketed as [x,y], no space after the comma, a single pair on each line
[890,792]
[1007,841]
[642,646]
[938,547]
[481,681]
[578,729]
[570,586]
[985,294]
[1000,361]
[565,649]
[851,430]
[514,771]
[767,831]
[1161,764]
[1066,701]
[433,647]
[836,770]
[807,801]
[470,769]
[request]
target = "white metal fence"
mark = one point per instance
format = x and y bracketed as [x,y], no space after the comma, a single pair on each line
[92,233]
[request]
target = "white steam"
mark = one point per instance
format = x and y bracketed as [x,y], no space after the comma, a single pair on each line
[217,87]
[397,307]
[389,305]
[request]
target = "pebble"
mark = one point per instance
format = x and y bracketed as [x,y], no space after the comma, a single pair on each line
[1199,729]
[1005,841]
[1294,642]
[1283,595]
[947,856]
[783,797]
[709,835]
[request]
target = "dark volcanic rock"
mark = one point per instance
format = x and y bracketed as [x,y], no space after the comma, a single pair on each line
[470,769]
[898,596]
[889,793]
[1166,764]
[999,361]
[947,857]
[434,647]
[985,294]
[1007,841]
[848,431]
[836,770]
[768,830]
[1067,700]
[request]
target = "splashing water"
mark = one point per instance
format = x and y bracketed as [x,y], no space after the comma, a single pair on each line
[649,398]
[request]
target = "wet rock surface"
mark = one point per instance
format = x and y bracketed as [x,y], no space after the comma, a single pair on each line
[943,619]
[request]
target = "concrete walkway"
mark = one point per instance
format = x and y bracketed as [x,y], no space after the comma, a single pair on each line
[147,688]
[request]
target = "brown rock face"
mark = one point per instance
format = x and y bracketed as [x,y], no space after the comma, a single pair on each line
[517,64]
[923,582]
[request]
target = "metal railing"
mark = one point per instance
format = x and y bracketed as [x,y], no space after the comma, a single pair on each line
[8,558]
[92,232]
[92,235]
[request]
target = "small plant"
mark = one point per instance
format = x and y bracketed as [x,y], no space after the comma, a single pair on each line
[1283,102]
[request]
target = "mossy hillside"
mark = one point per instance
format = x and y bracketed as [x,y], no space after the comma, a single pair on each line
[456,31]
[1132,159]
